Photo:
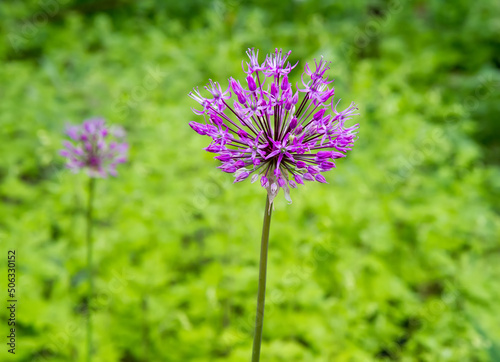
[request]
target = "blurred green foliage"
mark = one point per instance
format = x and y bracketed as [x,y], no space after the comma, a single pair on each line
[397,258]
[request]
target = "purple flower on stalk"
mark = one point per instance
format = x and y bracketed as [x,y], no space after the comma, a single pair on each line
[267,132]
[94,149]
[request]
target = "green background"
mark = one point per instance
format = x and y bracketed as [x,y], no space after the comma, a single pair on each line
[397,258]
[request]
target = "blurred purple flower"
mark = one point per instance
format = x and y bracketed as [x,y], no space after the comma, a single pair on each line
[267,131]
[92,148]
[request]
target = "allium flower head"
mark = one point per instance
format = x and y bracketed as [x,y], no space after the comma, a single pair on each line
[94,149]
[265,132]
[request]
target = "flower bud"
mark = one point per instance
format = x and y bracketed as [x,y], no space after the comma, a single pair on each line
[251,83]
[298,129]
[320,178]
[312,169]
[323,155]
[301,164]
[214,148]
[264,181]
[318,115]
[216,119]
[228,168]
[235,86]
[274,90]
[224,157]
[240,175]
[285,84]
[241,98]
[242,133]
[337,155]
[327,165]
[308,176]
[239,163]
[198,128]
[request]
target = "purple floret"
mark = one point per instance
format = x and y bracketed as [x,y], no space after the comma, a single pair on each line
[267,132]
[95,147]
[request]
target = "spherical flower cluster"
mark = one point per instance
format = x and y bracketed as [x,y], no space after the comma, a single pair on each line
[267,132]
[92,148]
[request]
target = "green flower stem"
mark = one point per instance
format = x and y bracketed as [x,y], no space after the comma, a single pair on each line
[261,295]
[91,186]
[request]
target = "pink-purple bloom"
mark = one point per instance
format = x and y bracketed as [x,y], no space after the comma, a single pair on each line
[267,132]
[95,147]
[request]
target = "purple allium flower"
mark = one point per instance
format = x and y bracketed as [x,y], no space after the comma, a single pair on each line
[93,149]
[266,131]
